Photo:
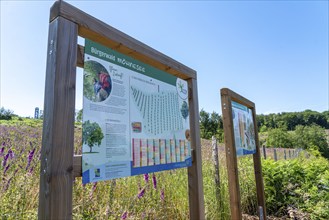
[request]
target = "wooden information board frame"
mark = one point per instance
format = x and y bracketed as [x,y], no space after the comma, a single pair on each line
[58,164]
[227,96]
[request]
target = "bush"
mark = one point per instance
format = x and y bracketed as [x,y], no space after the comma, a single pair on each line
[5,114]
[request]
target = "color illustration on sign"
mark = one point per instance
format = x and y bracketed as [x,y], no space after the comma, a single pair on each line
[244,131]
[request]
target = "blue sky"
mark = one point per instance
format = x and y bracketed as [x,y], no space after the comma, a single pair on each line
[275,53]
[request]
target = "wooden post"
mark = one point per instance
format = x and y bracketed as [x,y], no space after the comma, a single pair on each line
[258,173]
[216,166]
[264,151]
[227,96]
[231,160]
[289,154]
[275,154]
[195,183]
[56,172]
[285,154]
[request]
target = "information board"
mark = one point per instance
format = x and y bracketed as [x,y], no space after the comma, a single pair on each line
[244,130]
[135,117]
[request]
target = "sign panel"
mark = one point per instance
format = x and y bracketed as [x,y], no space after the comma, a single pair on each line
[244,131]
[135,117]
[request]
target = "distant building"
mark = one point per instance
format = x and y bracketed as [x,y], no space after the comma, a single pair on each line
[36,113]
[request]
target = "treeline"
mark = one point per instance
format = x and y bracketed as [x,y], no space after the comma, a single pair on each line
[212,123]
[289,120]
[304,130]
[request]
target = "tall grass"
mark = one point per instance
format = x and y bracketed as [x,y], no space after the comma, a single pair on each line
[162,195]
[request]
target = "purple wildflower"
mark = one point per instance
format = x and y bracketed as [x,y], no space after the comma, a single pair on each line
[5,158]
[162,195]
[141,193]
[154,180]
[11,154]
[31,170]
[6,168]
[2,150]
[124,215]
[8,183]
[146,177]
[30,157]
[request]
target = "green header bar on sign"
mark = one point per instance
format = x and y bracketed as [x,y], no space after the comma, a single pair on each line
[239,106]
[97,50]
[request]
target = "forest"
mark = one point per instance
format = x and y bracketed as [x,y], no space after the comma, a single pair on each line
[306,129]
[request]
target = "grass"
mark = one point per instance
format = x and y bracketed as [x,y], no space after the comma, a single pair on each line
[138,197]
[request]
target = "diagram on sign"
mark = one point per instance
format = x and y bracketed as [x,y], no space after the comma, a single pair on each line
[160,111]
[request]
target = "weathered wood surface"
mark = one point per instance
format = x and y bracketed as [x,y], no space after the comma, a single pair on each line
[227,97]
[100,32]
[77,166]
[56,177]
[231,159]
[195,181]
[258,172]
[216,170]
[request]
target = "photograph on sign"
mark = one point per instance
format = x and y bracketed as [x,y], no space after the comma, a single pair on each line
[135,117]
[244,130]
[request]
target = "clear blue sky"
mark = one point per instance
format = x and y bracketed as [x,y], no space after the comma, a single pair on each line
[275,53]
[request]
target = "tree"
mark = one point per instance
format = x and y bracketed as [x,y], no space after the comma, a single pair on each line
[79,115]
[5,114]
[314,136]
[91,134]
[278,137]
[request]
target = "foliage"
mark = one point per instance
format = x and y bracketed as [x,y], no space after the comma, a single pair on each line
[289,120]
[6,114]
[279,138]
[310,137]
[79,116]
[91,134]
[211,124]
[301,184]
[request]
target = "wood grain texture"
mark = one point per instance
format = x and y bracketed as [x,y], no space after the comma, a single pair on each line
[195,182]
[231,159]
[100,32]
[80,56]
[258,170]
[77,166]
[227,97]
[56,178]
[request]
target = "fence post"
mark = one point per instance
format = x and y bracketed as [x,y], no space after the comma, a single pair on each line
[216,165]
[275,155]
[289,154]
[285,154]
[264,151]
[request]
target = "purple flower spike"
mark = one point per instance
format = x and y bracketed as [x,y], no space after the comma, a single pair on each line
[11,154]
[4,162]
[154,180]
[30,157]
[6,168]
[124,215]
[146,177]
[2,150]
[141,193]
[162,195]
